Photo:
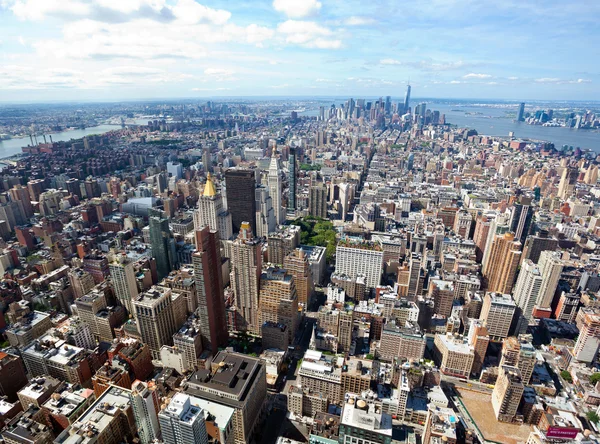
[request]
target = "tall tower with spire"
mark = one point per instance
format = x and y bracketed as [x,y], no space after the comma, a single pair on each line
[275,187]
[211,211]
[313,338]
[407,99]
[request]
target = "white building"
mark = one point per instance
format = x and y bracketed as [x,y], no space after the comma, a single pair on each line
[144,399]
[123,278]
[181,422]
[212,212]
[275,187]
[356,259]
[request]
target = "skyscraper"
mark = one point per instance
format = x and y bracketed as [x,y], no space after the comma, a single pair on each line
[566,187]
[211,211]
[145,403]
[296,263]
[499,225]
[123,279]
[241,201]
[527,288]
[163,245]
[521,113]
[156,321]
[520,223]
[265,215]
[407,99]
[209,289]
[318,200]
[292,181]
[551,266]
[274,181]
[278,300]
[246,267]
[181,422]
[507,393]
[501,268]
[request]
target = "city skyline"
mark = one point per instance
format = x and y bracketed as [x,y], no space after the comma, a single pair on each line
[101,49]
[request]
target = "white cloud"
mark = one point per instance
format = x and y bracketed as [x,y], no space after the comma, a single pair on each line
[190,12]
[218,72]
[297,8]
[359,21]
[211,89]
[390,62]
[557,81]
[513,78]
[477,76]
[308,34]
[285,85]
[39,9]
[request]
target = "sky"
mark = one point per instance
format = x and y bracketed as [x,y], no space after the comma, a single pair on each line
[54,50]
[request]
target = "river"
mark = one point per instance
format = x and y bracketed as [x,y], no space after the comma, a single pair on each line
[13,146]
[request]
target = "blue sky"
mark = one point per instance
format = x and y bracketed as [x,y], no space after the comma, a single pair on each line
[128,49]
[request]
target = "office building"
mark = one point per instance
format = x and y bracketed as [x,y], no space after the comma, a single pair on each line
[107,376]
[551,267]
[145,404]
[278,300]
[501,269]
[521,112]
[241,201]
[26,428]
[303,402]
[586,347]
[38,391]
[181,422]
[360,259]
[455,355]
[282,242]
[162,242]
[507,393]
[110,420]
[31,326]
[81,282]
[265,214]
[497,313]
[521,354]
[321,373]
[442,293]
[407,100]
[209,289]
[275,187]
[123,279]
[534,245]
[499,225]
[318,200]
[12,375]
[521,221]
[175,170]
[234,381]
[292,180]
[406,343]
[188,341]
[568,180]
[362,420]
[246,268]
[155,319]
[296,263]
[211,211]
[478,338]
[66,405]
[527,288]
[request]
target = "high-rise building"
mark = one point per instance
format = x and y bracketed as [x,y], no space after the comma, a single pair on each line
[527,288]
[12,375]
[534,245]
[180,422]
[521,112]
[145,403]
[234,381]
[586,347]
[498,226]
[21,194]
[265,214]
[497,314]
[318,200]
[296,263]
[480,236]
[568,180]
[501,269]
[415,279]
[241,201]
[274,180]
[407,99]
[521,221]
[211,211]
[162,242]
[520,354]
[455,355]
[551,266]
[282,242]
[209,289]
[292,180]
[507,393]
[81,282]
[360,259]
[478,337]
[246,268]
[123,279]
[278,301]
[156,322]
[361,420]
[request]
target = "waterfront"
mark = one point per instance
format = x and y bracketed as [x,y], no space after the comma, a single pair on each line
[11,147]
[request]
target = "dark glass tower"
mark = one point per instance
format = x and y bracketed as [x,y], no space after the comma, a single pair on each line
[241,203]
[162,242]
